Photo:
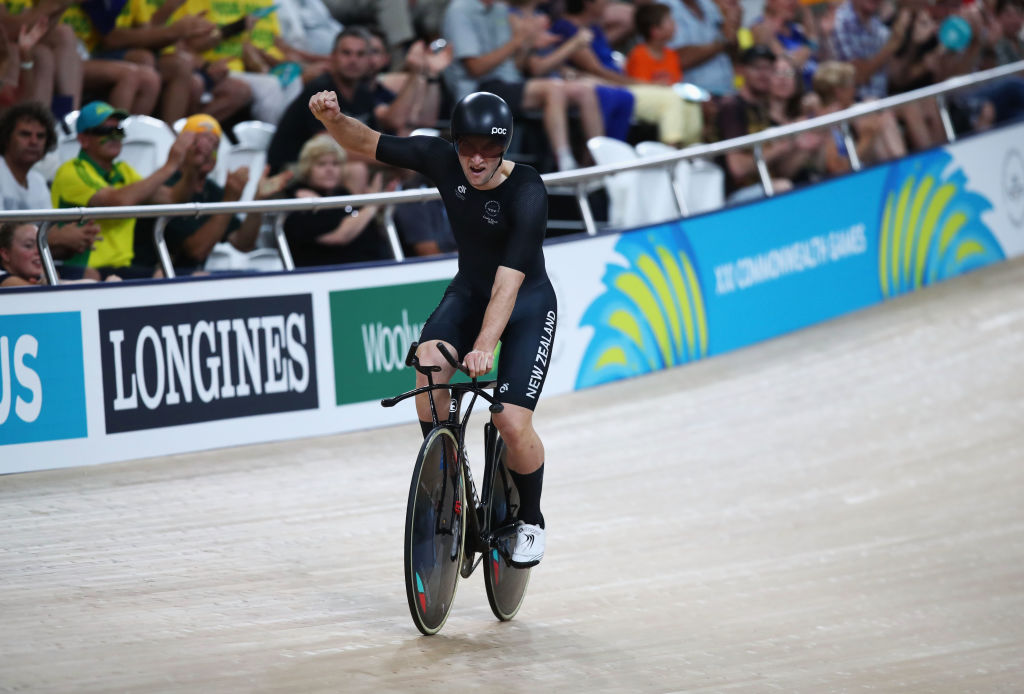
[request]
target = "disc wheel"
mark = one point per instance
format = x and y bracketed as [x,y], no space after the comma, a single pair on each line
[506,585]
[434,532]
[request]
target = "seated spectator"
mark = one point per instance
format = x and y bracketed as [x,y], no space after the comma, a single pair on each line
[679,122]
[394,18]
[487,44]
[1009,43]
[26,134]
[190,239]
[747,112]
[146,33]
[651,60]
[95,179]
[420,106]
[20,265]
[788,27]
[550,56]
[309,24]
[619,23]
[995,102]
[786,104]
[347,76]
[423,227]
[785,93]
[920,63]
[250,42]
[877,136]
[44,64]
[859,37]
[128,78]
[705,40]
[335,236]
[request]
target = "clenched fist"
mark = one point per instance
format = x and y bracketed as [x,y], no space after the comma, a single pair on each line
[324,106]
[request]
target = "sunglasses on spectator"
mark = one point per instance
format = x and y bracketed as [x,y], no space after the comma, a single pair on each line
[486,148]
[115,131]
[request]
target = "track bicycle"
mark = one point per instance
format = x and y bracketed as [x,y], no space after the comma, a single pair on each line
[443,541]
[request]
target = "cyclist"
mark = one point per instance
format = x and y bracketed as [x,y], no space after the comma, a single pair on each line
[498,212]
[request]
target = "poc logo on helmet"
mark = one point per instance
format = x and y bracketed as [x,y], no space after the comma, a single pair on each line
[499,131]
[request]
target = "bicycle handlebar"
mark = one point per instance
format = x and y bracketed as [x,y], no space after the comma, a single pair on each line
[475,387]
[450,359]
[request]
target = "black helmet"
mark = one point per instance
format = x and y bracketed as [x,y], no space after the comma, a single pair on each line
[482,113]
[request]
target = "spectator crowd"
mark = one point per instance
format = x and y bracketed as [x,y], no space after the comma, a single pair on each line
[675,71]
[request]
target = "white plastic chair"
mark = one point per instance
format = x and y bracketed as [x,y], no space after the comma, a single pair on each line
[432,132]
[706,191]
[624,207]
[254,133]
[146,143]
[225,257]
[657,183]
[702,182]
[264,260]
[251,158]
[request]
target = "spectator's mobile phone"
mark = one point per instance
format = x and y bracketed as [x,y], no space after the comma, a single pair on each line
[233,29]
[438,45]
[264,12]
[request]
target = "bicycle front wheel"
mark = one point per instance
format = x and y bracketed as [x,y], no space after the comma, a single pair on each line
[506,584]
[434,531]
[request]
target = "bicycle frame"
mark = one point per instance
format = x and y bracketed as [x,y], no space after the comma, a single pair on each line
[479,525]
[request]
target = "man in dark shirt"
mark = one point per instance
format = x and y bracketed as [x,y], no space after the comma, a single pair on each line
[358,97]
[745,113]
[190,239]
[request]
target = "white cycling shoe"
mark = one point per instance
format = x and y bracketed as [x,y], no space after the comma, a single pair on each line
[529,545]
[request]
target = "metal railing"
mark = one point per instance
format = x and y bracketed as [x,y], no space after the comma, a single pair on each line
[577,179]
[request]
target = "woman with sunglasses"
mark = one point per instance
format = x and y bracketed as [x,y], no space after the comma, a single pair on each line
[498,212]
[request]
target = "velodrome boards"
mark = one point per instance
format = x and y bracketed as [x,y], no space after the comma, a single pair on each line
[94,374]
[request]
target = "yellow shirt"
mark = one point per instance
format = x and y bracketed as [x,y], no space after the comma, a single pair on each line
[222,12]
[18,6]
[76,182]
[134,13]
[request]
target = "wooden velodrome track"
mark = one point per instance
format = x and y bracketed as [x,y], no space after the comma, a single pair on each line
[841,509]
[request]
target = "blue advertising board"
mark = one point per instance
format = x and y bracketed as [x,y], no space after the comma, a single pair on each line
[42,378]
[696,287]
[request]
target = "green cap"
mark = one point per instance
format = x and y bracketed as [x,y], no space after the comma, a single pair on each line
[94,113]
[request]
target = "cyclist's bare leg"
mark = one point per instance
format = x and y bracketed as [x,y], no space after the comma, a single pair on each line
[525,450]
[430,356]
[525,462]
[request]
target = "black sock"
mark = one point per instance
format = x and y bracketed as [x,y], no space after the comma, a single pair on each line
[427,427]
[529,487]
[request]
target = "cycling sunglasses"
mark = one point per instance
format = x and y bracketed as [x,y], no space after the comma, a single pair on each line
[486,147]
[114,131]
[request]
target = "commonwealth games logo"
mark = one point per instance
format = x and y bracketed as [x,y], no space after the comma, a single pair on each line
[651,315]
[931,226]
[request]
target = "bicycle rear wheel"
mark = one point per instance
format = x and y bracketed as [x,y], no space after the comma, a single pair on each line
[506,585]
[434,530]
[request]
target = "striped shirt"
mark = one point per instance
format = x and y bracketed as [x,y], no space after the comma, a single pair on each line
[856,40]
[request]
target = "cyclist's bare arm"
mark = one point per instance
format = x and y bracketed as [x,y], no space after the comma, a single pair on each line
[355,137]
[503,298]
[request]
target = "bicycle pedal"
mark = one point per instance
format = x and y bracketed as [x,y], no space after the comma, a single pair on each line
[503,540]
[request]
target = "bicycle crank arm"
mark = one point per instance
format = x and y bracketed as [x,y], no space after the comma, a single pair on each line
[502,540]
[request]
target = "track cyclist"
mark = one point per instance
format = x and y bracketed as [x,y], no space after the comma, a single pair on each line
[498,211]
